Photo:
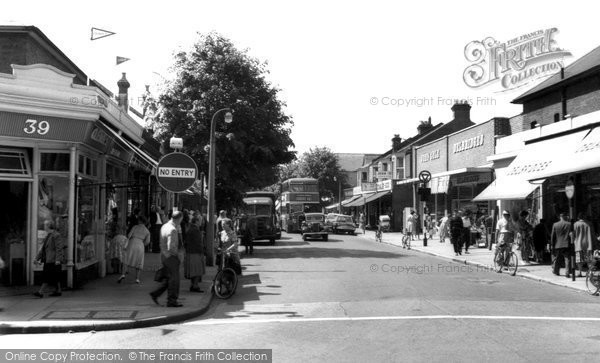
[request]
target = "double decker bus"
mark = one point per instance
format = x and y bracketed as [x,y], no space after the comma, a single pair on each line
[259,211]
[298,196]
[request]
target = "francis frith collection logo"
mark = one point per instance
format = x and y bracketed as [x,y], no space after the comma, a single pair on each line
[513,63]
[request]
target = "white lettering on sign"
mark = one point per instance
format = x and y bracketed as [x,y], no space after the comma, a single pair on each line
[529,168]
[100,136]
[435,154]
[176,173]
[33,126]
[468,144]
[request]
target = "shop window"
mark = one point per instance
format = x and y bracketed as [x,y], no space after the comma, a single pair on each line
[384,167]
[364,176]
[55,162]
[556,117]
[14,162]
[87,166]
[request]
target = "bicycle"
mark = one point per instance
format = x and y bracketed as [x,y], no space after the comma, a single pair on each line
[378,235]
[406,240]
[592,277]
[225,281]
[508,261]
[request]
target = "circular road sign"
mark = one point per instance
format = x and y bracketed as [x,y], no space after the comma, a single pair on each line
[425,176]
[176,172]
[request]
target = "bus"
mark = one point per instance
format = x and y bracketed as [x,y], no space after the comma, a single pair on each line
[298,196]
[259,211]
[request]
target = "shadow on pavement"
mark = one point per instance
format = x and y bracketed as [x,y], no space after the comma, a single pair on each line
[323,252]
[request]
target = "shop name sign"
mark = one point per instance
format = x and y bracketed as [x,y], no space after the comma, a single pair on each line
[468,144]
[529,168]
[384,185]
[42,127]
[384,174]
[368,187]
[177,173]
[435,154]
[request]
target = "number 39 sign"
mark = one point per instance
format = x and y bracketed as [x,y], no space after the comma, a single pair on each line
[36,127]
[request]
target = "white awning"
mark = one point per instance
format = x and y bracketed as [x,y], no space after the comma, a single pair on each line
[560,155]
[506,188]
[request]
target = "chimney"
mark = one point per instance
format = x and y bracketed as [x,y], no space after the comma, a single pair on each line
[462,110]
[123,98]
[424,126]
[396,141]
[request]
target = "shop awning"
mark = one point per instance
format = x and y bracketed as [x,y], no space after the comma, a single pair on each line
[360,201]
[560,155]
[332,206]
[140,156]
[350,200]
[377,195]
[506,188]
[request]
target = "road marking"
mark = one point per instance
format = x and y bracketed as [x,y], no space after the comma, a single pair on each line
[376,318]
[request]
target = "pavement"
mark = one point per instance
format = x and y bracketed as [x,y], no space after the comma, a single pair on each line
[102,304]
[482,257]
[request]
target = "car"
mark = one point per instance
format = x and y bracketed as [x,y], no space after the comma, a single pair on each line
[340,223]
[314,226]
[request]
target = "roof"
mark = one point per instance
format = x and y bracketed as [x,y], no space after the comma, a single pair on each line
[582,67]
[349,161]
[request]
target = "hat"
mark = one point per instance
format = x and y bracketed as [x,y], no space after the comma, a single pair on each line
[505,212]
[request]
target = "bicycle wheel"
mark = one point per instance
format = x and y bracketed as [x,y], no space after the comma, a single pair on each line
[592,281]
[512,264]
[497,261]
[225,283]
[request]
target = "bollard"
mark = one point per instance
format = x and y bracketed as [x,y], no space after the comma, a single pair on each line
[425,239]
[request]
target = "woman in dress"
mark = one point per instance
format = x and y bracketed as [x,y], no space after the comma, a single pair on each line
[52,256]
[139,237]
[194,252]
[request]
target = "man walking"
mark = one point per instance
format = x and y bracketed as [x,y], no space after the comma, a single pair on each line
[155,226]
[583,231]
[456,231]
[466,233]
[560,242]
[169,253]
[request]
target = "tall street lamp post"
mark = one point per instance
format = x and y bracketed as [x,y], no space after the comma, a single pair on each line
[210,233]
[339,180]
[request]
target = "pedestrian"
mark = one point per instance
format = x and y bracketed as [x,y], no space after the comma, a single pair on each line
[132,220]
[410,224]
[115,240]
[220,218]
[466,233]
[156,222]
[430,225]
[137,239]
[526,236]
[561,243]
[194,266]
[583,242]
[416,225]
[361,220]
[443,228]
[228,238]
[455,225]
[540,240]
[169,253]
[52,255]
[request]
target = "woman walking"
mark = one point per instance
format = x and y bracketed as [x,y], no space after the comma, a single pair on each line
[194,252]
[139,237]
[52,256]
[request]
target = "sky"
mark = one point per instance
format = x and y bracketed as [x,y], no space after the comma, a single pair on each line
[352,73]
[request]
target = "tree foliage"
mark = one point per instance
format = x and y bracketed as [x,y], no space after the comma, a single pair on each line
[215,75]
[322,164]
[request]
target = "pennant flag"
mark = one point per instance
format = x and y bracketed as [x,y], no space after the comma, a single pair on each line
[100,33]
[121,60]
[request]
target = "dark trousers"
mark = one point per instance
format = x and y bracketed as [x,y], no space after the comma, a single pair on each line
[155,238]
[560,253]
[455,239]
[466,238]
[171,282]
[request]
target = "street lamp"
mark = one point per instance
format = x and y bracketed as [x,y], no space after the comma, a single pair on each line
[339,193]
[210,233]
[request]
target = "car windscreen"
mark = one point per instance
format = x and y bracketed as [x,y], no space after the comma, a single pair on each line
[344,219]
[312,219]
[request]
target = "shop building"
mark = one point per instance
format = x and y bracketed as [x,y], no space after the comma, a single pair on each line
[69,154]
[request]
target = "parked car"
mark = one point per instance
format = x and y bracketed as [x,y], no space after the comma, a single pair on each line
[340,223]
[314,226]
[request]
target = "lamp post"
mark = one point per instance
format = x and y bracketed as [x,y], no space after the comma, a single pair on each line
[210,233]
[339,180]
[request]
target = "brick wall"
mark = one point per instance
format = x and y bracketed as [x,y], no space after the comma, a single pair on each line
[584,97]
[517,124]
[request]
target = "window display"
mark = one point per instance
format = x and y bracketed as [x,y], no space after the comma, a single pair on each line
[87,198]
[53,204]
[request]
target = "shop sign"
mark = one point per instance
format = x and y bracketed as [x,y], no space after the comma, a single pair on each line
[440,185]
[42,127]
[468,144]
[435,154]
[472,179]
[570,189]
[384,174]
[348,193]
[368,187]
[529,168]
[357,190]
[384,185]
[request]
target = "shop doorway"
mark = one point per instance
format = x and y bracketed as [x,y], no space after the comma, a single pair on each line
[13,231]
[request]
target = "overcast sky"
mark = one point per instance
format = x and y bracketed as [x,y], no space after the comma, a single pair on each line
[332,60]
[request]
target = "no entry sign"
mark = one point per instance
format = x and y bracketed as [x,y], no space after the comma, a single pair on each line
[176,172]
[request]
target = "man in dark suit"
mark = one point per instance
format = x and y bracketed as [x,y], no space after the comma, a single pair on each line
[561,243]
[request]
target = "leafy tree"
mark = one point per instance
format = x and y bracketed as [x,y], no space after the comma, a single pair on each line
[322,164]
[215,75]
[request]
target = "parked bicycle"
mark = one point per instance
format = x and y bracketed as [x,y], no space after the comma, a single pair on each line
[592,278]
[225,281]
[406,240]
[378,234]
[506,259]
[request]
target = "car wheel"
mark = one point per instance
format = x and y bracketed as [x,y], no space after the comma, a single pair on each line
[304,238]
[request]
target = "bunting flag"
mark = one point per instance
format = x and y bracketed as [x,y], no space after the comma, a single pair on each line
[100,33]
[121,60]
